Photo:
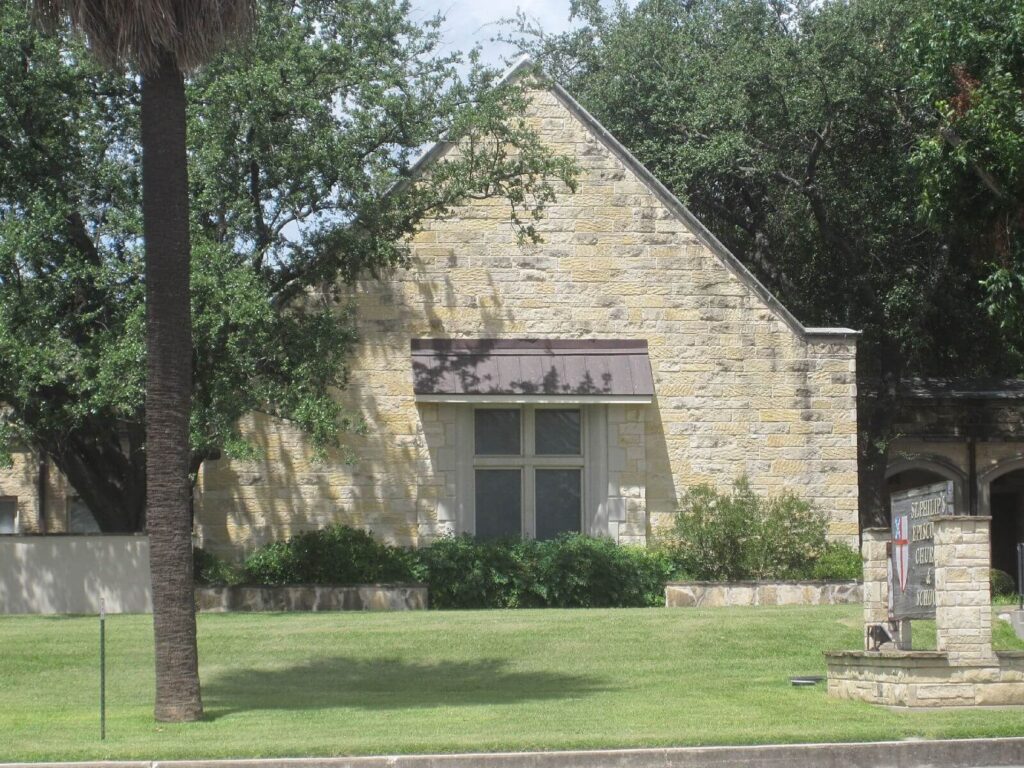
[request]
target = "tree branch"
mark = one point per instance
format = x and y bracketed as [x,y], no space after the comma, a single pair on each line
[954,140]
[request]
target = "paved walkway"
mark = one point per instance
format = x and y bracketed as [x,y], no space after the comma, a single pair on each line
[964,753]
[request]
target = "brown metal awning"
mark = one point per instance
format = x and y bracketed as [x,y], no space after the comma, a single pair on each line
[532,370]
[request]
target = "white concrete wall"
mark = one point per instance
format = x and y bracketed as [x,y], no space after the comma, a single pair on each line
[70,574]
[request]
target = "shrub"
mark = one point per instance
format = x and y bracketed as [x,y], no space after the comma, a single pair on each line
[1002,583]
[464,573]
[574,571]
[838,561]
[334,555]
[571,571]
[208,569]
[740,535]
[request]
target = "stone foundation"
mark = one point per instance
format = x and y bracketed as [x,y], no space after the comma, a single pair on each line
[718,594]
[925,678]
[359,597]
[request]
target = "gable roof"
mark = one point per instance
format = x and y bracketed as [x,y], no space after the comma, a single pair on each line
[524,65]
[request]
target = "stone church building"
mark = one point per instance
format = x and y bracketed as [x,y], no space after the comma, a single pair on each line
[583,383]
[579,384]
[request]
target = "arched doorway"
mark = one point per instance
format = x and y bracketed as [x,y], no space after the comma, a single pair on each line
[912,472]
[1002,497]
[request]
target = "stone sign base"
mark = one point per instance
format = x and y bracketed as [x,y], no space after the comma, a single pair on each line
[964,671]
[925,678]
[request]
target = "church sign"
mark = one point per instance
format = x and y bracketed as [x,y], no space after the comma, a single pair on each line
[912,555]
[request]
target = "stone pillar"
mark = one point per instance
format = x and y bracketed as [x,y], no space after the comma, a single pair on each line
[963,605]
[874,553]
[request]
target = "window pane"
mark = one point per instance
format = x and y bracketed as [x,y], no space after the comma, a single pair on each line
[558,432]
[497,432]
[558,502]
[8,513]
[80,519]
[498,503]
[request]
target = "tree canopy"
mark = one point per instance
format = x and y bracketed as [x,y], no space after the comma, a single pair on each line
[301,150]
[806,136]
[969,73]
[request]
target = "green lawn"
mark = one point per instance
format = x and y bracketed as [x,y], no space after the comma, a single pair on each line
[353,683]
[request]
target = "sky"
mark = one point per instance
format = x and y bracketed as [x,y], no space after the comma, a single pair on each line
[469,22]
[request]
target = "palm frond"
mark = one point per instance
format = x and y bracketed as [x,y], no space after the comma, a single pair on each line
[145,32]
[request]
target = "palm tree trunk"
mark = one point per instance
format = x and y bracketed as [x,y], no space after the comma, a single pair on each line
[168,390]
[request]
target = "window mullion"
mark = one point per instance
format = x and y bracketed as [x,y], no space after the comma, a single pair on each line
[529,479]
[558,462]
[529,503]
[496,462]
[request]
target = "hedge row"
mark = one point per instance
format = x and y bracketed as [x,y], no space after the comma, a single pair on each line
[570,571]
[567,572]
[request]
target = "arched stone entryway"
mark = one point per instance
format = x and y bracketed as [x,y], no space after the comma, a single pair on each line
[1001,495]
[907,472]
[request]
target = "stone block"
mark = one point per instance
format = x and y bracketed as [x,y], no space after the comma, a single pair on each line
[999,694]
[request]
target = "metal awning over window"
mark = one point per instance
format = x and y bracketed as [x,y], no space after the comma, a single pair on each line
[531,371]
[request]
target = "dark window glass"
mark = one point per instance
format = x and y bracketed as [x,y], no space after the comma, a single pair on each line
[558,432]
[497,432]
[558,502]
[499,494]
[8,514]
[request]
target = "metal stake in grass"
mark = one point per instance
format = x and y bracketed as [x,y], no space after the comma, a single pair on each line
[1020,576]
[103,670]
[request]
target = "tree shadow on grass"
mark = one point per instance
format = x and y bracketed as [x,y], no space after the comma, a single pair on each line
[386,684]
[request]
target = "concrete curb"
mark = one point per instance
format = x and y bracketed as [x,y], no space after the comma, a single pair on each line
[960,753]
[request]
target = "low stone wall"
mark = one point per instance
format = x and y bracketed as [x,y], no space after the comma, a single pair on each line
[309,597]
[717,594]
[925,678]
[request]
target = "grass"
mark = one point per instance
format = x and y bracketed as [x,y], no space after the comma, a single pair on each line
[357,683]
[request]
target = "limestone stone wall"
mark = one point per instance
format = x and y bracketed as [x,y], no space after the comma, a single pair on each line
[874,556]
[711,594]
[739,390]
[925,679]
[963,604]
[311,597]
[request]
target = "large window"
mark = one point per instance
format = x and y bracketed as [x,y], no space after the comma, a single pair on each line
[528,471]
[8,514]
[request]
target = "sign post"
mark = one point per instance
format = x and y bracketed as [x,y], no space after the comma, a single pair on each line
[103,670]
[912,553]
[1020,576]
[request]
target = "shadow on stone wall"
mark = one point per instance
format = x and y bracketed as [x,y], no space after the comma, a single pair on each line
[389,486]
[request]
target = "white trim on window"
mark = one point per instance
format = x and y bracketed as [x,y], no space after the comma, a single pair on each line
[597,491]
